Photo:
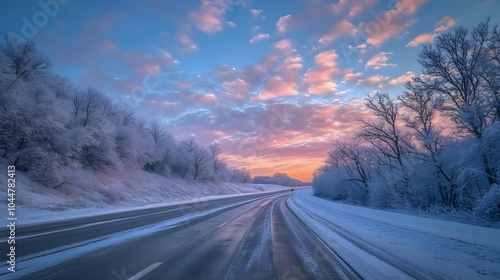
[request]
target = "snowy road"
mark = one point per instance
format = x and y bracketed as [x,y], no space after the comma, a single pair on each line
[259,236]
[255,237]
[385,245]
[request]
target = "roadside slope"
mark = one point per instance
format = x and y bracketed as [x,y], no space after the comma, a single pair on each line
[375,242]
[90,193]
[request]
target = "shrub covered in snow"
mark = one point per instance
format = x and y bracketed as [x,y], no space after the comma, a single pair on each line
[488,206]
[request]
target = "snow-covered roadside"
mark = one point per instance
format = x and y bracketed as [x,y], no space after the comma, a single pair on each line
[33,216]
[93,194]
[448,249]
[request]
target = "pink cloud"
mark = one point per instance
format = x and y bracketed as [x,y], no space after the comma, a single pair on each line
[209,18]
[379,36]
[326,59]
[353,7]
[408,7]
[391,23]
[350,77]
[145,63]
[322,87]
[282,23]
[236,89]
[444,24]
[341,28]
[403,78]
[318,79]
[276,87]
[185,39]
[379,60]
[259,37]
[374,80]
[207,99]
[422,39]
[290,67]
[285,44]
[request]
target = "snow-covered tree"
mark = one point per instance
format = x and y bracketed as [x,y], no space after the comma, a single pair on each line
[460,68]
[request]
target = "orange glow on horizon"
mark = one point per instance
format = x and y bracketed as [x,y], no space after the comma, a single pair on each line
[301,169]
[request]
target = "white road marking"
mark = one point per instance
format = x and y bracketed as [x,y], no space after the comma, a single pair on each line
[224,224]
[145,271]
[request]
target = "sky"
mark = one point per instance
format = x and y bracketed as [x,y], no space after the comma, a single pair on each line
[273,81]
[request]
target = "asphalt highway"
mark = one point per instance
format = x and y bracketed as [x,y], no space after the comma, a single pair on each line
[249,237]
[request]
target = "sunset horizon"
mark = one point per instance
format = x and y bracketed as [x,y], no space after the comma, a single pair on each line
[274,84]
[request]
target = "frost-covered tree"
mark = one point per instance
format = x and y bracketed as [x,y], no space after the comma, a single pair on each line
[51,128]
[383,132]
[460,68]
[23,60]
[237,175]
[156,131]
[422,111]
[356,160]
[200,162]
[217,163]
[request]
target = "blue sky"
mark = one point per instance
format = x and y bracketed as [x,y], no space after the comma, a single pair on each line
[274,81]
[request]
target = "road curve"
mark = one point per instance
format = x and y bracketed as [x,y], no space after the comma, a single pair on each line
[251,238]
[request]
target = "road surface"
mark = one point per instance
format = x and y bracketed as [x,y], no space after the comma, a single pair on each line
[250,237]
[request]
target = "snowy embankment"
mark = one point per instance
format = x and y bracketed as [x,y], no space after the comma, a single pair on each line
[380,244]
[89,193]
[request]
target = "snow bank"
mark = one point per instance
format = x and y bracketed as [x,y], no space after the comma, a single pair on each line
[446,248]
[90,193]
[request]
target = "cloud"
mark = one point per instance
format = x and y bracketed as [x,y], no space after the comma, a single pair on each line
[381,82]
[375,80]
[408,7]
[444,24]
[341,28]
[351,78]
[379,35]
[391,23]
[259,37]
[319,78]
[276,87]
[256,12]
[353,7]
[167,57]
[236,89]
[282,23]
[312,17]
[209,18]
[285,44]
[379,60]
[184,37]
[407,77]
[422,39]
[326,59]
[290,67]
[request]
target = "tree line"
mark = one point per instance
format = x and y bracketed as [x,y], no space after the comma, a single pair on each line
[51,127]
[436,144]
